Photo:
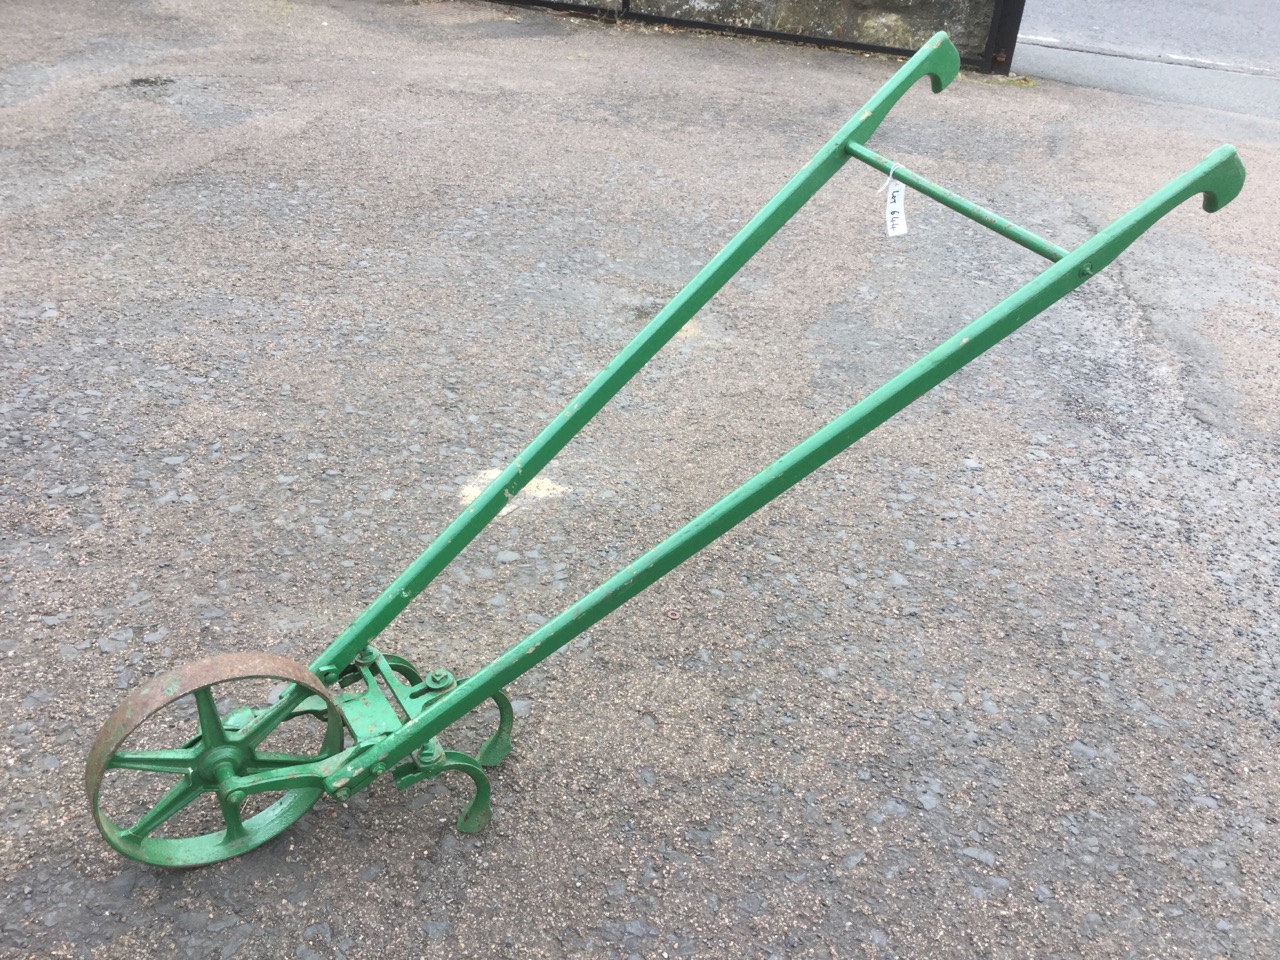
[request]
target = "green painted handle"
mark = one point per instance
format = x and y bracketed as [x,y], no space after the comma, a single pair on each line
[939,60]
[1219,176]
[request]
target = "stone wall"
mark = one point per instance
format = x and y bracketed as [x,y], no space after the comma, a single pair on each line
[901,24]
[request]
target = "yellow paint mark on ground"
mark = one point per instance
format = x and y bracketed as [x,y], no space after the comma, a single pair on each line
[691,329]
[538,488]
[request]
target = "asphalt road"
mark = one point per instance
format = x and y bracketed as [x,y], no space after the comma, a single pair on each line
[281,282]
[1240,35]
[1220,56]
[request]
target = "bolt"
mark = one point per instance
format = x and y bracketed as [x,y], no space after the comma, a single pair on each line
[1086,270]
[439,679]
[429,753]
[379,769]
[235,797]
[343,794]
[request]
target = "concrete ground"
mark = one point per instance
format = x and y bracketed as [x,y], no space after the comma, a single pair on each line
[281,280]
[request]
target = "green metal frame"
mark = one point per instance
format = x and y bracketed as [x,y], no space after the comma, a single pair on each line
[399,733]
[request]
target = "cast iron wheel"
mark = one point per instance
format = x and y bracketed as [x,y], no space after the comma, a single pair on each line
[224,749]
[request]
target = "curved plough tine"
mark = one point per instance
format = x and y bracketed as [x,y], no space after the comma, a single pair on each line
[476,815]
[494,750]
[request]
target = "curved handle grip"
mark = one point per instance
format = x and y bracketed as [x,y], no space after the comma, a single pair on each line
[939,60]
[1219,176]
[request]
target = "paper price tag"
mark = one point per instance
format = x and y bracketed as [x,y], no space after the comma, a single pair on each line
[895,210]
[895,205]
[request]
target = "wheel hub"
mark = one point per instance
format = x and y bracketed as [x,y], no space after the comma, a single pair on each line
[211,761]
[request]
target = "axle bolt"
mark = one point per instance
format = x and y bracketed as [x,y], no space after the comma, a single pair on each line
[235,797]
[343,794]
[379,769]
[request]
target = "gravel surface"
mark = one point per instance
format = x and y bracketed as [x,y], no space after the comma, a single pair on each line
[281,281]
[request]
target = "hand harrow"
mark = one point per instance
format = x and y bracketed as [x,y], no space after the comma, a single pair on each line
[385,715]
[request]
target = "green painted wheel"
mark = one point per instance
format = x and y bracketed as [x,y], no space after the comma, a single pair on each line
[200,775]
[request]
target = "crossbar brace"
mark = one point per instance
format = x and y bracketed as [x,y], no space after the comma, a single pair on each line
[966,208]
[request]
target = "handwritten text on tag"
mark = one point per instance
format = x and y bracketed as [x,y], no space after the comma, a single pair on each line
[895,210]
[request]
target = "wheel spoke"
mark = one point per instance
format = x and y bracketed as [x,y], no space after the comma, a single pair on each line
[261,726]
[154,761]
[212,733]
[173,802]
